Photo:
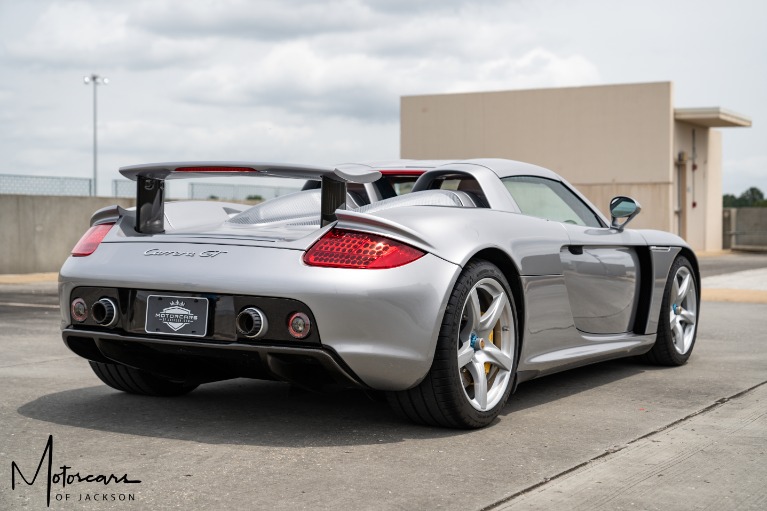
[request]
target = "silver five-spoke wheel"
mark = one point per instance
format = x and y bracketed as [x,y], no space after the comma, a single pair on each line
[678,321]
[486,344]
[683,310]
[474,364]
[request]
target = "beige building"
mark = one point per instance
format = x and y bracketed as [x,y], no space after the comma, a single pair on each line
[606,140]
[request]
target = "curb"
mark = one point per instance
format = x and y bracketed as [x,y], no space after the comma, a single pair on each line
[28,278]
[734,295]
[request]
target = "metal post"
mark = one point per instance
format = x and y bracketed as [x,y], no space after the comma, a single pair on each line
[95,144]
[96,80]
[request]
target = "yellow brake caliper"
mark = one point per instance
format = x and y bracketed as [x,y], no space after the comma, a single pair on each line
[487,364]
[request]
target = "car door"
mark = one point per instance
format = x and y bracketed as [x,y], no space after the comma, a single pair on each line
[602,275]
[601,266]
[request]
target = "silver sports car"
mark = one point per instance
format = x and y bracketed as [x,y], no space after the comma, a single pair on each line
[490,273]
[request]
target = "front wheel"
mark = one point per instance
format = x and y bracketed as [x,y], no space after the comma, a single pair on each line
[475,359]
[678,322]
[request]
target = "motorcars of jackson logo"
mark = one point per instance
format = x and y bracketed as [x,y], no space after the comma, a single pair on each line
[65,477]
[176,316]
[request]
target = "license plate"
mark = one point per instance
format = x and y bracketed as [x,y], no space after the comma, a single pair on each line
[176,315]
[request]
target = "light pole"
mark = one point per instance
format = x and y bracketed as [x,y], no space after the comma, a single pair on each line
[96,80]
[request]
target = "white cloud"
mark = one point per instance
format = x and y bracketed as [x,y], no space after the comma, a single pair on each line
[79,35]
[235,141]
[342,59]
[265,20]
[537,68]
[320,82]
[310,79]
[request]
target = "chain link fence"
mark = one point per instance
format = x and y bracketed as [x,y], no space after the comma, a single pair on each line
[123,188]
[174,190]
[127,189]
[205,191]
[237,192]
[11,184]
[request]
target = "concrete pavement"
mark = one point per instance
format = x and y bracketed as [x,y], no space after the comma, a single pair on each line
[714,459]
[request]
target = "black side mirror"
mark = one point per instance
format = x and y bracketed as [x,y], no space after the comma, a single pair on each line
[623,207]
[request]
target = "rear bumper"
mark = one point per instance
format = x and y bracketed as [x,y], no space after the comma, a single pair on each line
[379,327]
[190,360]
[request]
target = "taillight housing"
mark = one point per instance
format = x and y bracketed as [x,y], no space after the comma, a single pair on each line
[91,240]
[340,248]
[299,325]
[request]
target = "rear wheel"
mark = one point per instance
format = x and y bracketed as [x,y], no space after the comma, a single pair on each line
[678,322]
[475,360]
[136,381]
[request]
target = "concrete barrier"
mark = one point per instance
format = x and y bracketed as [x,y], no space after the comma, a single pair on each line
[37,232]
[744,228]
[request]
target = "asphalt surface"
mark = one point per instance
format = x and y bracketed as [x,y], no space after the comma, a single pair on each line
[616,435]
[731,262]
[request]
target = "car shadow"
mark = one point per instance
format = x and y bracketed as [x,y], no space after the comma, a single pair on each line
[542,390]
[250,412]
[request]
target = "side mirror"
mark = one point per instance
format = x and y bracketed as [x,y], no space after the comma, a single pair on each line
[623,207]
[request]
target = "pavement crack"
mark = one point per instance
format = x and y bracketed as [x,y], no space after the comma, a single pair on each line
[38,362]
[614,449]
[712,406]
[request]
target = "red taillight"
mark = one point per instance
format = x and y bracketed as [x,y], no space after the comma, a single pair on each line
[349,249]
[210,168]
[90,240]
[404,172]
[299,325]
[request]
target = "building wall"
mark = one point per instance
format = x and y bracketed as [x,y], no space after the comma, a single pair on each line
[701,187]
[691,191]
[713,180]
[606,140]
[38,232]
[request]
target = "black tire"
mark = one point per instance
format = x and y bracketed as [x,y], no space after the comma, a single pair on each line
[443,397]
[136,381]
[668,349]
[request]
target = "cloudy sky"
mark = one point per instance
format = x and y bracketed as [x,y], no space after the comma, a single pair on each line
[319,81]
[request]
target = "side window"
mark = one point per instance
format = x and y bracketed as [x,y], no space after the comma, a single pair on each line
[402,184]
[549,199]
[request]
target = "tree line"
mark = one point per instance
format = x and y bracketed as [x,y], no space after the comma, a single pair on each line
[751,198]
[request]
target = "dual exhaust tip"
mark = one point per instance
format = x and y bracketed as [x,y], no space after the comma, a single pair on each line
[104,312]
[251,322]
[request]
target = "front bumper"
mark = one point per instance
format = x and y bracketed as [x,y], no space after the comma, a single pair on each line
[378,328]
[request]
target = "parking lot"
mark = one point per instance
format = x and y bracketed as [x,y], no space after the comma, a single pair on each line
[616,435]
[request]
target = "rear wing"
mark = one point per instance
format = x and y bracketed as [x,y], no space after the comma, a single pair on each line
[150,187]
